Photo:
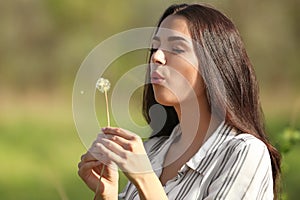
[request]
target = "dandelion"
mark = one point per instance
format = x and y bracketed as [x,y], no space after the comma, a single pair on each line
[103,85]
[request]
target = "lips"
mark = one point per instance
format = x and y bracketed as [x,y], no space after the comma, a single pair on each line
[156,78]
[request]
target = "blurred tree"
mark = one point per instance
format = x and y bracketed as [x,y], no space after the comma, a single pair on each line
[44,42]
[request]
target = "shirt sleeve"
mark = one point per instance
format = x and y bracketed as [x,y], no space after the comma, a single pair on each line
[245,172]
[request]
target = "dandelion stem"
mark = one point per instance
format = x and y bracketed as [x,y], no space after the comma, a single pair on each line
[97,196]
[108,124]
[107,109]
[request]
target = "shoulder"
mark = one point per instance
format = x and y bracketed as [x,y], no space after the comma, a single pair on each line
[247,151]
[227,141]
[243,149]
[241,169]
[248,142]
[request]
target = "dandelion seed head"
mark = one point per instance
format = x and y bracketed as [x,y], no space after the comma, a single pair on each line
[103,85]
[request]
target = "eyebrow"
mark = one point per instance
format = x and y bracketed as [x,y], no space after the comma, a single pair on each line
[171,38]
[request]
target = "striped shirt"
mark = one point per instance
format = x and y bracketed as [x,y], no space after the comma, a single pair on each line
[227,166]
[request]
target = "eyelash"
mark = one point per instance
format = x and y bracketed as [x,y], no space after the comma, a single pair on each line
[177,50]
[153,50]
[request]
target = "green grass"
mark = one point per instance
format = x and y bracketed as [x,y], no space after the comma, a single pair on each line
[40,149]
[39,160]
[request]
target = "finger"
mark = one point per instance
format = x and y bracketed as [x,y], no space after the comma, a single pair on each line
[80,164]
[98,138]
[113,146]
[109,155]
[125,144]
[99,164]
[98,168]
[87,157]
[96,153]
[85,168]
[119,132]
[103,157]
[89,175]
[90,162]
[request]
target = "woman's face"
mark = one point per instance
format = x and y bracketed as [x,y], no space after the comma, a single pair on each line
[174,67]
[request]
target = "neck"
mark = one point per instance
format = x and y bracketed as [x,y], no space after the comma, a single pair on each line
[196,120]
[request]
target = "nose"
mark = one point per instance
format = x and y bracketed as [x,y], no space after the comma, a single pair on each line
[158,57]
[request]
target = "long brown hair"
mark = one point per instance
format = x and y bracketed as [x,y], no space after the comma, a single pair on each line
[217,35]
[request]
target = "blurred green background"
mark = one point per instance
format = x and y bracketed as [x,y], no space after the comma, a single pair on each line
[42,44]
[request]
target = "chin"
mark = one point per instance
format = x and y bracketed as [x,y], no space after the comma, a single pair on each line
[164,96]
[164,102]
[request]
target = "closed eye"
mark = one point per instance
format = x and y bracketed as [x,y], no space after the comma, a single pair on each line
[177,50]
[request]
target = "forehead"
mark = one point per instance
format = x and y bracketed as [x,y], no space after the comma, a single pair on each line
[174,25]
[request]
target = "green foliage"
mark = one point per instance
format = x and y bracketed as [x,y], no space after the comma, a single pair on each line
[288,140]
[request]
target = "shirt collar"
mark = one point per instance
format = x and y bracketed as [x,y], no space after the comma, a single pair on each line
[207,147]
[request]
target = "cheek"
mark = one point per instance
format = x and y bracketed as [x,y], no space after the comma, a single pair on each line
[183,81]
[165,95]
[187,81]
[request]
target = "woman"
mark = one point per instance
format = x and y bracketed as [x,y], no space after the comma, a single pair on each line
[213,144]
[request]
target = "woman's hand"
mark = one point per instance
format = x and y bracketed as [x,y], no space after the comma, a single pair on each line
[126,149]
[90,168]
